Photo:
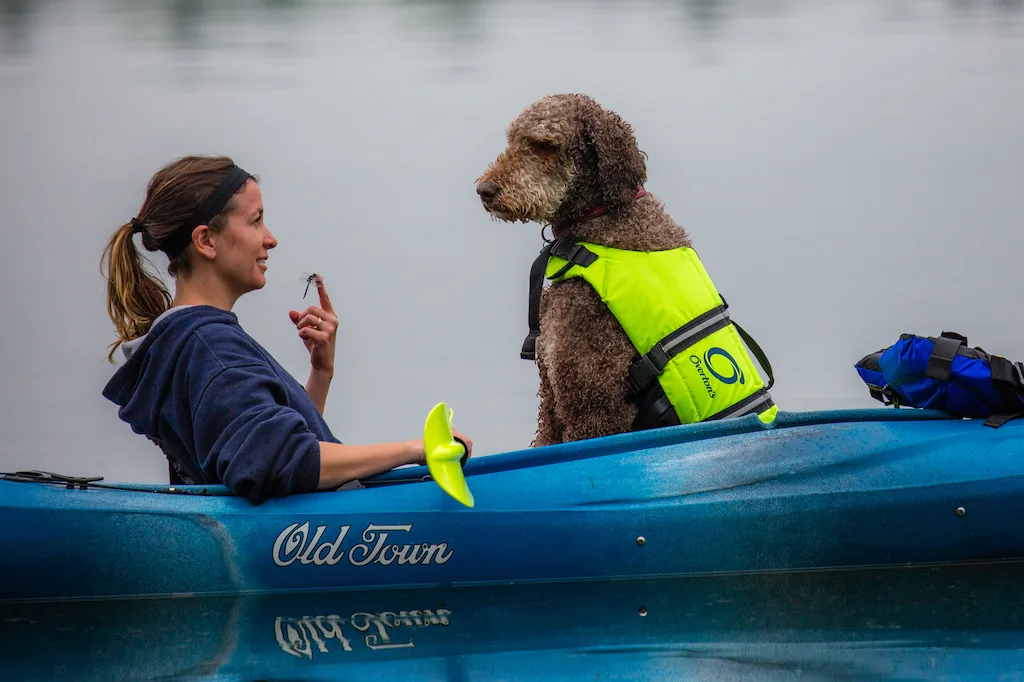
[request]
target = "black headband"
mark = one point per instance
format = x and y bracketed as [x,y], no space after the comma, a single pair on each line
[214,204]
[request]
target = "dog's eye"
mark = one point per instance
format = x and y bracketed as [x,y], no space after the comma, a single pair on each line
[543,146]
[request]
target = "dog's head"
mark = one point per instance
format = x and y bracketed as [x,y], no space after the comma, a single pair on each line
[565,155]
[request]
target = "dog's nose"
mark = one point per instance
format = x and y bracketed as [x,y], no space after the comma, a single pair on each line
[487,190]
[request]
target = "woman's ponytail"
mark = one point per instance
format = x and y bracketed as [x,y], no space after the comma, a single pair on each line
[134,296]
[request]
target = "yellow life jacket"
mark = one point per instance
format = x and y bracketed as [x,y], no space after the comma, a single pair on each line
[678,324]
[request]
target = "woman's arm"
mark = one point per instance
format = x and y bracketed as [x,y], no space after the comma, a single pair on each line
[317,386]
[340,464]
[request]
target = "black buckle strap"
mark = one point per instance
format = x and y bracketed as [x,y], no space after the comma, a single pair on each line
[878,394]
[758,353]
[940,362]
[997,420]
[529,351]
[1007,380]
[1006,372]
[755,349]
[655,414]
[576,254]
[650,365]
[653,362]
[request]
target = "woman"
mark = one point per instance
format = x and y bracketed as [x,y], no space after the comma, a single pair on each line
[218,405]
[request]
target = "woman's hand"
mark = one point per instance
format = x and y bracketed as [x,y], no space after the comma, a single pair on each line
[318,329]
[420,449]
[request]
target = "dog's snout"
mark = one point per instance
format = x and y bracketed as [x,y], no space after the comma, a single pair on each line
[487,190]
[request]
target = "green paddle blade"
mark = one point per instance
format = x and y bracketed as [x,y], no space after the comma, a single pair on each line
[444,454]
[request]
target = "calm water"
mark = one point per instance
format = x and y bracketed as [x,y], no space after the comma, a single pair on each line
[923,624]
[849,171]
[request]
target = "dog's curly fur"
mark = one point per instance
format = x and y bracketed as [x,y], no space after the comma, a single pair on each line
[565,156]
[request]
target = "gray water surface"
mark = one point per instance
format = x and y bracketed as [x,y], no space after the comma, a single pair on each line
[848,171]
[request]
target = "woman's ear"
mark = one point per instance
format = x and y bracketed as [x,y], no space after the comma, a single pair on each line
[204,242]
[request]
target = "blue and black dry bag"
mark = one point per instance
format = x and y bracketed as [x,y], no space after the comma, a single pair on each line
[945,374]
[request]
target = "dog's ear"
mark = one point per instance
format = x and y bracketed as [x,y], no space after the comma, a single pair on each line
[620,164]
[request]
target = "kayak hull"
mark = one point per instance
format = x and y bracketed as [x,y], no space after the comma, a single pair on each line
[813,491]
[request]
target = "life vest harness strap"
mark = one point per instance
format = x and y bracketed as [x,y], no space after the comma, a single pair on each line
[756,402]
[652,363]
[661,413]
[658,412]
[756,350]
[575,254]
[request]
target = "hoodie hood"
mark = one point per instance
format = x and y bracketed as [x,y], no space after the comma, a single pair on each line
[141,385]
[128,348]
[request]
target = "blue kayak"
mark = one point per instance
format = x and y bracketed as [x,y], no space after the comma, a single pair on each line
[816,490]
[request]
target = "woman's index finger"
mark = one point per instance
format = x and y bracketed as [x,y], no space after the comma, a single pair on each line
[325,300]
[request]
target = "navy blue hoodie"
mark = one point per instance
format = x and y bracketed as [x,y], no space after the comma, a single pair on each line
[216,402]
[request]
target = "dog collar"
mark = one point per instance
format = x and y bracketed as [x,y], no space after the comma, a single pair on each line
[592,213]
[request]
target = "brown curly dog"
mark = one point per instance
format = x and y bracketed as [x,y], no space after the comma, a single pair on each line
[575,166]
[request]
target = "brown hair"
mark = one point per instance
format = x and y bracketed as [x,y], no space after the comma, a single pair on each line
[135,297]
